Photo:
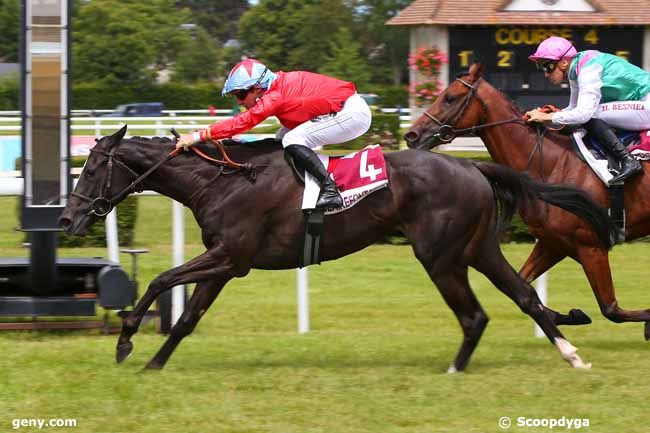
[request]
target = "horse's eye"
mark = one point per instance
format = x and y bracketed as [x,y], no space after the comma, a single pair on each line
[449,99]
[89,173]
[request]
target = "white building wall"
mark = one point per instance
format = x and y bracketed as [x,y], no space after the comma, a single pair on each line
[427,36]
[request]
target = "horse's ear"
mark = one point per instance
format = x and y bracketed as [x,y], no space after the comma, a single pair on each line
[476,70]
[117,137]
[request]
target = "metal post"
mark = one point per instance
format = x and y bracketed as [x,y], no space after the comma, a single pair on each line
[302,283]
[112,242]
[178,292]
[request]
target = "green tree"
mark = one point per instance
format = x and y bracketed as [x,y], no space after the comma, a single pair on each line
[387,46]
[344,61]
[126,41]
[218,17]
[293,34]
[200,60]
[9,30]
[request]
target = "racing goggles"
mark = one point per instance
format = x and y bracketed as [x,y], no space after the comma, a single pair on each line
[547,67]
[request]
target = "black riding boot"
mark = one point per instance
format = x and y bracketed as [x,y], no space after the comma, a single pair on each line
[629,166]
[329,197]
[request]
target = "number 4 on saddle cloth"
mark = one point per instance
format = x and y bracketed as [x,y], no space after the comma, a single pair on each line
[356,175]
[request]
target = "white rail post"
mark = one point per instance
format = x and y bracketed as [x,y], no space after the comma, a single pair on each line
[178,242]
[112,242]
[302,284]
[541,285]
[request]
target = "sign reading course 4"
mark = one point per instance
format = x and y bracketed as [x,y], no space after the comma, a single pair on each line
[505,50]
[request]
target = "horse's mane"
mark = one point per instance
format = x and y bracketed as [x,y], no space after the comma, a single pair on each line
[245,148]
[157,140]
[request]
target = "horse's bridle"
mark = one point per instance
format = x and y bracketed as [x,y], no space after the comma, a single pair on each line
[101,205]
[447,133]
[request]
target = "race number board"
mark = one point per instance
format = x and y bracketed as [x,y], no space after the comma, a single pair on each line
[505,50]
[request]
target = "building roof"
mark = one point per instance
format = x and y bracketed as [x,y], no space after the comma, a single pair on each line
[491,12]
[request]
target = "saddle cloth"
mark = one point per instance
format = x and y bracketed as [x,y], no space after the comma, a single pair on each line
[638,144]
[356,175]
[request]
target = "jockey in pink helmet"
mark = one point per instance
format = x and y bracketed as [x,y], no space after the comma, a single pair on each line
[314,110]
[606,91]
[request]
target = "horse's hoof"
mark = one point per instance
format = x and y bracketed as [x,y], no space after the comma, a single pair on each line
[453,370]
[123,351]
[578,317]
[647,331]
[154,365]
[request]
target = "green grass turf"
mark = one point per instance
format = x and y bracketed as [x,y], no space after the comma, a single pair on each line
[374,361]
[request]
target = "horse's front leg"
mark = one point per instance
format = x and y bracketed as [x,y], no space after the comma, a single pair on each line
[214,264]
[204,295]
[542,259]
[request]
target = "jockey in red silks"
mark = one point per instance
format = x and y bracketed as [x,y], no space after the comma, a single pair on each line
[314,110]
[606,91]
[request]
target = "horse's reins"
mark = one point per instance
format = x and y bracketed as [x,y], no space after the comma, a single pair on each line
[102,206]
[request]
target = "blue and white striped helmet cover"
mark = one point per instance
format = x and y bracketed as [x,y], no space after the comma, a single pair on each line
[247,74]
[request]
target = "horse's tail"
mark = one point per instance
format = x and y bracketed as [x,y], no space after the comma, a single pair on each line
[514,189]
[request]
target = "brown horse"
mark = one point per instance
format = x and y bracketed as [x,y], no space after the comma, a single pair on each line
[471,104]
[448,209]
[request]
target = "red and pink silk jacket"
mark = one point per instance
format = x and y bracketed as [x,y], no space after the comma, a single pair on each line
[294,98]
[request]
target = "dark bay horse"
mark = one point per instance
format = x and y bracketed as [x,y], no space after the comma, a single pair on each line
[470,103]
[448,209]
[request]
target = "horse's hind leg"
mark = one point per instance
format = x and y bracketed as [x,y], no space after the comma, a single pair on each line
[457,293]
[542,259]
[596,266]
[204,295]
[505,278]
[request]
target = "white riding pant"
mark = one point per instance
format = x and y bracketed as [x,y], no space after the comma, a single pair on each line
[630,115]
[349,123]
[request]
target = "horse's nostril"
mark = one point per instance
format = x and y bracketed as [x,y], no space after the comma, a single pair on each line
[411,136]
[65,223]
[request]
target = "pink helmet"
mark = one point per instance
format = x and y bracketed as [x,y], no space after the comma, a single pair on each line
[554,48]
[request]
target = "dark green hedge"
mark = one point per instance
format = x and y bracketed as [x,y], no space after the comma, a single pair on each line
[392,96]
[9,93]
[175,96]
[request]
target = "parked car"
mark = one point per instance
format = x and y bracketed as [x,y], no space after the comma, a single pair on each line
[138,109]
